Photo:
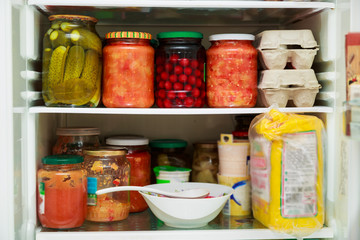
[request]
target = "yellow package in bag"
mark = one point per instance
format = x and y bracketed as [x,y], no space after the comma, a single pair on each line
[286,168]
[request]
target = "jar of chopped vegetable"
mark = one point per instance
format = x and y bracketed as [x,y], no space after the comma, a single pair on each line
[61,193]
[75,140]
[205,162]
[138,154]
[107,168]
[72,52]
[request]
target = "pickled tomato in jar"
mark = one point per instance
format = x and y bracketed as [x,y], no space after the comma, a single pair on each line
[231,71]
[128,79]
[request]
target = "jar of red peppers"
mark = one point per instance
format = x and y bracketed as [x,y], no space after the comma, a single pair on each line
[75,140]
[128,79]
[231,71]
[138,154]
[180,60]
[61,194]
[107,168]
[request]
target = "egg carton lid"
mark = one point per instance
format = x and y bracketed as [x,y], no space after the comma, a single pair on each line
[288,78]
[274,39]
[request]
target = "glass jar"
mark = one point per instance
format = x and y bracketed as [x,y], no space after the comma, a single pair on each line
[138,154]
[61,195]
[180,60]
[231,71]
[75,140]
[169,152]
[205,163]
[107,168]
[128,79]
[71,62]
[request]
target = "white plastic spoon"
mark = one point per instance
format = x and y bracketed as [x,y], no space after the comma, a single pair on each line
[190,193]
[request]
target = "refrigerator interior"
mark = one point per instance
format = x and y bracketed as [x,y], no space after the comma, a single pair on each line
[31,127]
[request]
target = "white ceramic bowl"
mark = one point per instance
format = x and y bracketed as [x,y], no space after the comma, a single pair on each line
[188,213]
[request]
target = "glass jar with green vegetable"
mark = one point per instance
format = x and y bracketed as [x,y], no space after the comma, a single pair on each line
[72,65]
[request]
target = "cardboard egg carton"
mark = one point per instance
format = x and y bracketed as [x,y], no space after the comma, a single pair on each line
[278,58]
[277,39]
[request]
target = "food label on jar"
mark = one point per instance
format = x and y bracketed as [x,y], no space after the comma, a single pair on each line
[92,188]
[299,175]
[42,198]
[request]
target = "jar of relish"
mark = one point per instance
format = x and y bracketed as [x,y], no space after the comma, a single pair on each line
[138,154]
[180,60]
[128,79]
[231,70]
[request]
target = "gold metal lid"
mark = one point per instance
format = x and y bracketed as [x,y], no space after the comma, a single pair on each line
[105,152]
[73,17]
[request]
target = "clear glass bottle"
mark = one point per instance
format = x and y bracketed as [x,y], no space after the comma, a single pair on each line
[205,163]
[72,65]
[75,140]
[107,168]
[61,193]
[180,60]
[138,154]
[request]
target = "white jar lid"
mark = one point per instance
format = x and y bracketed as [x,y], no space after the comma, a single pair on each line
[127,140]
[231,36]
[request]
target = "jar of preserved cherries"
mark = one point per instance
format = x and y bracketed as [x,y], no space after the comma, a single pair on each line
[72,53]
[61,194]
[75,140]
[180,60]
[107,168]
[138,154]
[128,79]
[231,69]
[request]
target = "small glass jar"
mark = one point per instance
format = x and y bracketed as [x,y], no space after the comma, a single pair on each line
[180,60]
[169,152]
[107,168]
[75,140]
[138,154]
[128,79]
[231,69]
[205,163]
[61,195]
[72,66]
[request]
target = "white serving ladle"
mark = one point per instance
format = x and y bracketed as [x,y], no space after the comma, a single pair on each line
[190,193]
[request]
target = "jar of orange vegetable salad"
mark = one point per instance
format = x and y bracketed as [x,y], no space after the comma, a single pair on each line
[61,194]
[231,69]
[107,168]
[128,79]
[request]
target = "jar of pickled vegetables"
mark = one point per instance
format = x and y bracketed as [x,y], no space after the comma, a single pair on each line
[169,152]
[138,154]
[205,163]
[75,140]
[128,79]
[72,65]
[231,70]
[61,193]
[180,60]
[107,168]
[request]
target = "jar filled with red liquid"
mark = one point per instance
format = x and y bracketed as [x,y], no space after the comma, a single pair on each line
[128,78]
[138,154]
[180,60]
[61,195]
[231,71]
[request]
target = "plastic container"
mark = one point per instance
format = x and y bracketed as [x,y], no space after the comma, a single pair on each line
[75,140]
[107,168]
[128,79]
[180,60]
[170,174]
[169,152]
[71,69]
[61,193]
[138,154]
[231,70]
[205,164]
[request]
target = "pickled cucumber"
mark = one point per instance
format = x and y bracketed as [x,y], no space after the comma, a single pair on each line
[86,39]
[67,26]
[46,41]
[96,98]
[56,25]
[74,63]
[59,38]
[56,67]
[45,70]
[91,66]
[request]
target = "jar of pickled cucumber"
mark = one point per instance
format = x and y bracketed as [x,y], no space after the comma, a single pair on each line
[72,65]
